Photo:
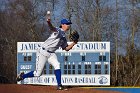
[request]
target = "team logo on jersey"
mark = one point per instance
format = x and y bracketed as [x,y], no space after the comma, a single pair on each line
[103,80]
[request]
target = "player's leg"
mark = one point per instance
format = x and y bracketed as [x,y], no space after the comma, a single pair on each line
[40,62]
[57,71]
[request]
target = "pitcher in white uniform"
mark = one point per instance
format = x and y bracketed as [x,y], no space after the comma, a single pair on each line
[46,52]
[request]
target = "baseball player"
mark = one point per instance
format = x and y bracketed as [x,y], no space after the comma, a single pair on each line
[46,51]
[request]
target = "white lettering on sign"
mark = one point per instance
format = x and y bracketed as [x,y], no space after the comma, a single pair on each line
[25,66]
[27,54]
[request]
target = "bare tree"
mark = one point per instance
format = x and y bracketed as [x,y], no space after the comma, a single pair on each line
[21,20]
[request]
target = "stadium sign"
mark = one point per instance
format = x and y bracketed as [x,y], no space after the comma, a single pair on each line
[88,63]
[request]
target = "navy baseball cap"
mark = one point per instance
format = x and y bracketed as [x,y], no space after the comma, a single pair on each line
[66,21]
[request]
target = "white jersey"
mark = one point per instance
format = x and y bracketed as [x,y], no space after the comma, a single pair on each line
[56,40]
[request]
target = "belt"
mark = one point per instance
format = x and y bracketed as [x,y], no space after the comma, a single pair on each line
[47,50]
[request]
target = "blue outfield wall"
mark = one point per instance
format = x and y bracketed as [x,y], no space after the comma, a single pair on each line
[126,90]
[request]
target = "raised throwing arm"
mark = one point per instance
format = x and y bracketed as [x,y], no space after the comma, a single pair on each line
[51,27]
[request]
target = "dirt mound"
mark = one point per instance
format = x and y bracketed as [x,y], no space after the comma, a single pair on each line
[15,88]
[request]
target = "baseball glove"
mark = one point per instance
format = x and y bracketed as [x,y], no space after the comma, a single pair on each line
[74,36]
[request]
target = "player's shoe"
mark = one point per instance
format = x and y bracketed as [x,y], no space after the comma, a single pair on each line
[60,87]
[19,77]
